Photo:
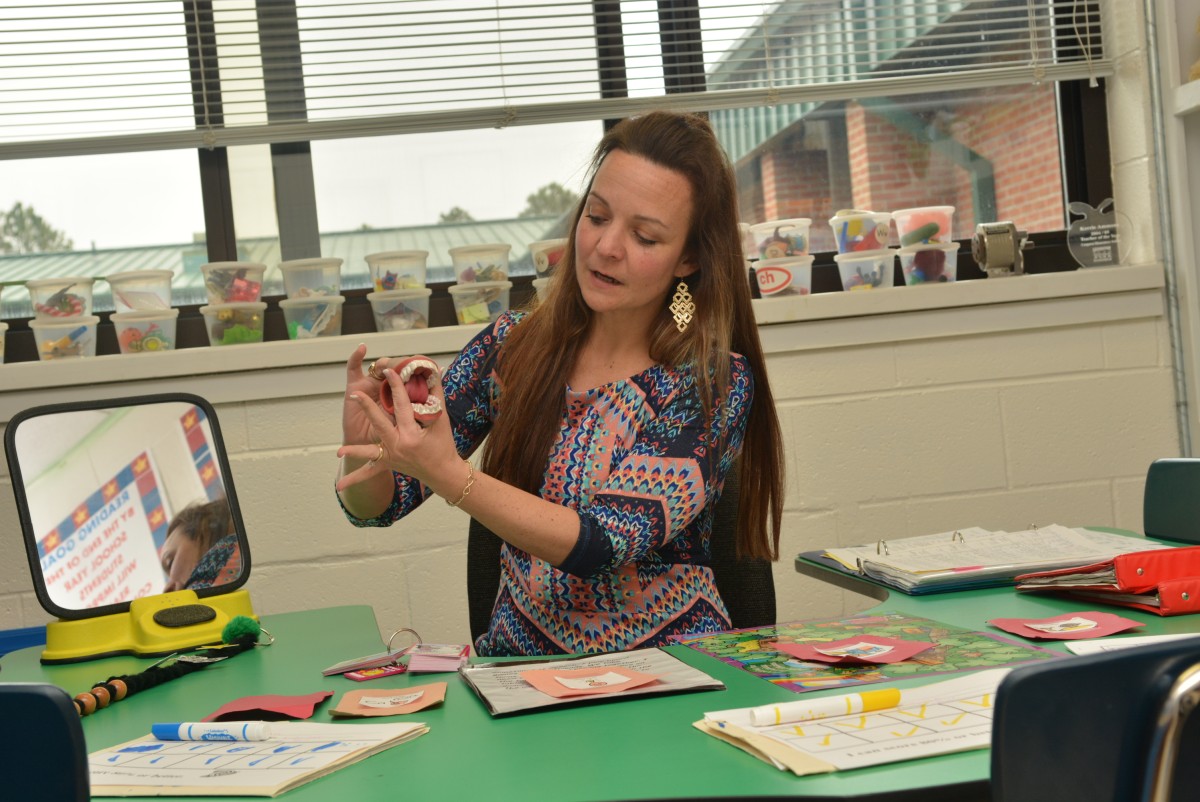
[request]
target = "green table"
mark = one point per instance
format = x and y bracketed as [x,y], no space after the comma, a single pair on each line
[638,749]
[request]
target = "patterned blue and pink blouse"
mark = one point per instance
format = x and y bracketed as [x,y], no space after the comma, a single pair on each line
[636,459]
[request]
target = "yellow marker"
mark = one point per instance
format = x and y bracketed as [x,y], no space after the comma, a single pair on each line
[828,707]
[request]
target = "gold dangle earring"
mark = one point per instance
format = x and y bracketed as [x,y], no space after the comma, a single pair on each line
[682,306]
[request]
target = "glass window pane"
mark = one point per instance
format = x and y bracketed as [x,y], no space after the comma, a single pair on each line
[433,192]
[992,154]
[129,211]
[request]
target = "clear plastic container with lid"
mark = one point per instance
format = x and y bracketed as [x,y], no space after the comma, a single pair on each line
[146,331]
[486,262]
[400,310]
[233,282]
[141,290]
[480,301]
[234,323]
[65,338]
[61,297]
[307,277]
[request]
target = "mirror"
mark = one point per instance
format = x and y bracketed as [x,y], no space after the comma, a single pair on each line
[124,499]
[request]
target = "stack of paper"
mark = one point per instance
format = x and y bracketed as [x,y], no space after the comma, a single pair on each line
[975,557]
[430,658]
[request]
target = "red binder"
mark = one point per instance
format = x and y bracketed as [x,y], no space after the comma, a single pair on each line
[1162,581]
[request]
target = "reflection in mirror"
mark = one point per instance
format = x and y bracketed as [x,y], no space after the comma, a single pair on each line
[125,499]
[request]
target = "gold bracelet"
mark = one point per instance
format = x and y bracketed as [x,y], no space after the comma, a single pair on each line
[466,490]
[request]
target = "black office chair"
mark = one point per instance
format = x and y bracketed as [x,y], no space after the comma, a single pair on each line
[1171,503]
[746,586]
[41,739]
[1109,727]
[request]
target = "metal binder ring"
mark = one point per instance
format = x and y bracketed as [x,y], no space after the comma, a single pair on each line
[413,632]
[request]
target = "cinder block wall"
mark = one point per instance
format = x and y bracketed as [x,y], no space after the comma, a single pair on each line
[1000,431]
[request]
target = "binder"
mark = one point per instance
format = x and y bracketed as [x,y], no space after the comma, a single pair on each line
[974,557]
[1164,582]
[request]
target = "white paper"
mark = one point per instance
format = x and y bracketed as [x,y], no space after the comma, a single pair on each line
[295,753]
[949,716]
[1096,645]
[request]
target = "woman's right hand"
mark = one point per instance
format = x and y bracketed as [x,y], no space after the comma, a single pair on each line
[356,428]
[371,495]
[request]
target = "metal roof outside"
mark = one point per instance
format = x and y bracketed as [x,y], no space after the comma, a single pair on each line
[187,286]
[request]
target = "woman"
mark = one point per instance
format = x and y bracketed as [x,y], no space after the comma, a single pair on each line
[613,412]
[201,549]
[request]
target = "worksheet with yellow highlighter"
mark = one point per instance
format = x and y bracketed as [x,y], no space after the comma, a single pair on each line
[850,731]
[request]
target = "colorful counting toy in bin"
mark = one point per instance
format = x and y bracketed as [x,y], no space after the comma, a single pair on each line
[313,316]
[929,264]
[233,282]
[779,239]
[64,339]
[145,332]
[61,297]
[400,310]
[487,262]
[480,301]
[234,323]
[925,225]
[861,231]
[397,270]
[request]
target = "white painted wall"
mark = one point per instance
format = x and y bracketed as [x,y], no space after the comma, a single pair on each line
[996,403]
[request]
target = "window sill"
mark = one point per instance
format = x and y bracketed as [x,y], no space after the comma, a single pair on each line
[302,368]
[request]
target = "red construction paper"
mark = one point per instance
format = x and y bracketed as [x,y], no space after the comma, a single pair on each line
[862,650]
[269,707]
[1102,624]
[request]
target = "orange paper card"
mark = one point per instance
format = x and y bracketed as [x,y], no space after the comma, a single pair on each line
[389,701]
[586,681]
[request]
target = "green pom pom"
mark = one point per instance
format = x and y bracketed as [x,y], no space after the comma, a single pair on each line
[239,628]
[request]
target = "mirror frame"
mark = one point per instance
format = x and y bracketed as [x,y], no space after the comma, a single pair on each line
[23,512]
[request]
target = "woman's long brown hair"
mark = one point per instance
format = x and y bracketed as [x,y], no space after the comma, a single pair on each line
[537,357]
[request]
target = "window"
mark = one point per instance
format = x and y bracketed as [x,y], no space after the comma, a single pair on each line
[226,129]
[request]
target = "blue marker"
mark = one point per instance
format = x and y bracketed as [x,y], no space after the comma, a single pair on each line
[212,731]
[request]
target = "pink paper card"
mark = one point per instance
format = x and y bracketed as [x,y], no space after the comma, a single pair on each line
[1068,626]
[584,681]
[389,701]
[862,650]
[425,658]
[269,707]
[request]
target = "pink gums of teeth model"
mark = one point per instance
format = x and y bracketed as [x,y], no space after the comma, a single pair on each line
[419,374]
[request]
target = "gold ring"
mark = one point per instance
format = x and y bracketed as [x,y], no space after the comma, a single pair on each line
[378,456]
[374,373]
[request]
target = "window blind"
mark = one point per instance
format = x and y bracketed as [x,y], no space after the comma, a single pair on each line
[95,77]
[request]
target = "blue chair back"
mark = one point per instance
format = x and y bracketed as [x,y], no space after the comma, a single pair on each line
[1109,727]
[41,739]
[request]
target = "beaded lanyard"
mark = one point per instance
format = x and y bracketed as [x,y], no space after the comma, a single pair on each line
[239,635]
